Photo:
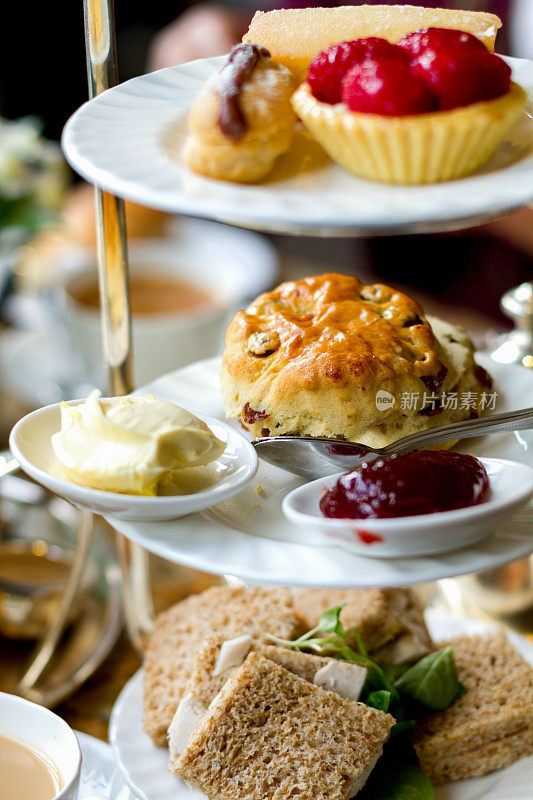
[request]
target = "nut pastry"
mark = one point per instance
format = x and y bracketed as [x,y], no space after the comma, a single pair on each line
[329,356]
[242,120]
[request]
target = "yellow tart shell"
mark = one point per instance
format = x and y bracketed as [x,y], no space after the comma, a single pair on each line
[416,149]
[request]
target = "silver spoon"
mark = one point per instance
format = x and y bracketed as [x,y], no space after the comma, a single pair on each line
[313,457]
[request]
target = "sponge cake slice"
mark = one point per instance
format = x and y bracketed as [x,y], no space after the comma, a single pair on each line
[294,36]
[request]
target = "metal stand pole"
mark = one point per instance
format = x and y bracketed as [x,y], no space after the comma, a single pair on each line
[113,279]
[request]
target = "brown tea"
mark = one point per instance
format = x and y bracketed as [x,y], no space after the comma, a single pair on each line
[25,772]
[151,293]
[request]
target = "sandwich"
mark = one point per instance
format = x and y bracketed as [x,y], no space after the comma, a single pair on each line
[488,727]
[181,631]
[218,658]
[390,621]
[270,734]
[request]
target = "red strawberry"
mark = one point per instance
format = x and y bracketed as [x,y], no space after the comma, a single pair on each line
[439,39]
[328,68]
[386,87]
[459,77]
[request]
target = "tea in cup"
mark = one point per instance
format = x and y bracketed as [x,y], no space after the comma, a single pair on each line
[40,757]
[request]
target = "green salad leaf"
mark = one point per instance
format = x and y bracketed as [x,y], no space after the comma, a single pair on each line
[395,671]
[401,782]
[402,727]
[330,622]
[379,699]
[432,682]
[328,638]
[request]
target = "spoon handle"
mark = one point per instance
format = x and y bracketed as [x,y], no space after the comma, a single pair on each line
[498,423]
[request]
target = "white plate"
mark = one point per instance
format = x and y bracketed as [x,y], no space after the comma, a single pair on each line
[511,486]
[249,537]
[128,140]
[145,766]
[99,772]
[30,443]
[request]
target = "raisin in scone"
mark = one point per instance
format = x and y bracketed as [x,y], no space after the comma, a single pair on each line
[310,357]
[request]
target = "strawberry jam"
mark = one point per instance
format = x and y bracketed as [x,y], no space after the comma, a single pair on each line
[400,486]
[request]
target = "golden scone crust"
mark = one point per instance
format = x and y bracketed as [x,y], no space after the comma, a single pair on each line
[265,102]
[310,357]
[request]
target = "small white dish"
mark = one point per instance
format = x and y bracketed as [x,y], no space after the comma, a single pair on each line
[511,486]
[44,730]
[30,443]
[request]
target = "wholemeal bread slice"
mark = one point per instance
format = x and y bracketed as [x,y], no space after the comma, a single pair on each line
[294,36]
[219,657]
[390,621]
[270,735]
[181,631]
[488,727]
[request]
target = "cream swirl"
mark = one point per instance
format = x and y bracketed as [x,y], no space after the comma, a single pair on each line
[130,444]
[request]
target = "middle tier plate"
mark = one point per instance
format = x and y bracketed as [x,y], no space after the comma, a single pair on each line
[248,536]
[129,139]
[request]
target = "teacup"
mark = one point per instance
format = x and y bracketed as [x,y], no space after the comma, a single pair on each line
[45,748]
[182,302]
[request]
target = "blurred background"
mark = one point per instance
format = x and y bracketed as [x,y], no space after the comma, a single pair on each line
[50,345]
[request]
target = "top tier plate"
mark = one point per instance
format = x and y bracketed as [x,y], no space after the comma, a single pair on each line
[128,141]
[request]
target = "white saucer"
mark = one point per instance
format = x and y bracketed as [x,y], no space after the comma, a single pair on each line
[30,443]
[145,766]
[128,140]
[99,772]
[511,486]
[249,537]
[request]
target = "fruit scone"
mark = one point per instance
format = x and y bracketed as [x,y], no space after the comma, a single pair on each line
[329,356]
[397,94]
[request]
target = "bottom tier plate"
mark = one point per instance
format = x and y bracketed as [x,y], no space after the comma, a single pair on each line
[145,766]
[248,536]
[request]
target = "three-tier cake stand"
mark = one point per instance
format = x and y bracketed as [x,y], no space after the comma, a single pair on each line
[127,141]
